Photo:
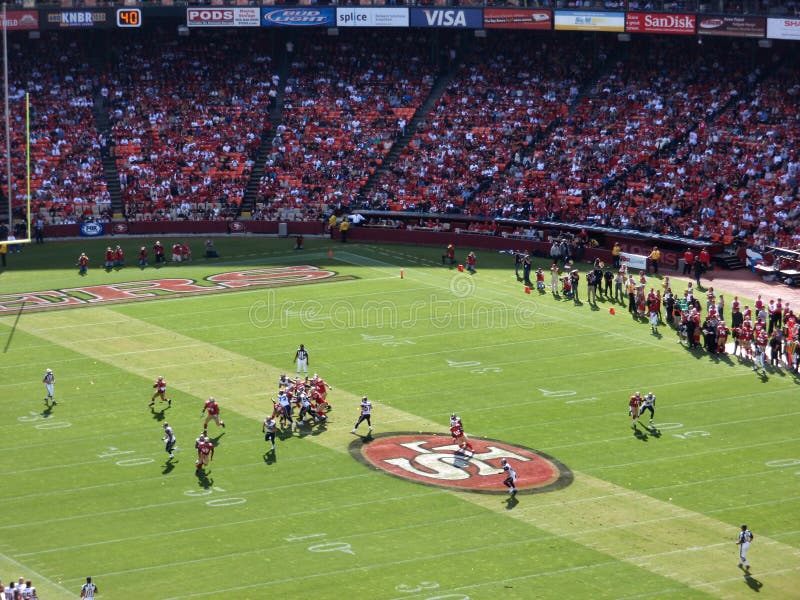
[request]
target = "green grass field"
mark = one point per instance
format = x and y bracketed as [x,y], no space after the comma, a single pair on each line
[88,491]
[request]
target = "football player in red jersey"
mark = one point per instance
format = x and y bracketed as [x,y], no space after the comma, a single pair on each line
[119,257]
[722,337]
[459,437]
[161,392]
[761,342]
[633,408]
[205,452]
[212,409]
[109,262]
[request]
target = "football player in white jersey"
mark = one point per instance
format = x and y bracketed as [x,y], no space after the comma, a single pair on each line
[366,414]
[648,403]
[745,538]
[510,480]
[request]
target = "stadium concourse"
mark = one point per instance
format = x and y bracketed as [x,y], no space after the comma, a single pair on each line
[659,134]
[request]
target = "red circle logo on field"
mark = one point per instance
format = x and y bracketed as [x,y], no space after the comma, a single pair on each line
[433,459]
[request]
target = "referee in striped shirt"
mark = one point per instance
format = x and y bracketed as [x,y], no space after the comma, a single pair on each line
[89,589]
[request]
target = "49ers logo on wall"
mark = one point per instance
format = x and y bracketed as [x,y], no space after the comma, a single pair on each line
[432,459]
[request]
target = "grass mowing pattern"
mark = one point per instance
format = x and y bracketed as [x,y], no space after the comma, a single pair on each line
[645,517]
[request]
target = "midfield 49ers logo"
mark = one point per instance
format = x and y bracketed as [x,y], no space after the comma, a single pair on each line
[432,459]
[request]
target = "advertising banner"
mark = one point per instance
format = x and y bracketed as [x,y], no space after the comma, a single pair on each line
[516,18]
[783,29]
[21,19]
[754,27]
[76,19]
[92,229]
[633,261]
[223,17]
[579,20]
[356,16]
[454,18]
[298,17]
[660,23]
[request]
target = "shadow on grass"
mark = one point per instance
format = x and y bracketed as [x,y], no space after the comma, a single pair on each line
[158,415]
[511,503]
[753,583]
[14,327]
[168,466]
[47,412]
[203,480]
[640,435]
[269,457]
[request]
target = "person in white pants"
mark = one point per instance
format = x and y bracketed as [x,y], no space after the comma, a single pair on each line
[49,381]
[301,356]
[745,538]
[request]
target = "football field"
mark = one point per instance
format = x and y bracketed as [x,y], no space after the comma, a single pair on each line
[604,511]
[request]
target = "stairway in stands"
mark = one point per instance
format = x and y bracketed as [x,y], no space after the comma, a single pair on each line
[400,144]
[264,148]
[110,171]
[729,261]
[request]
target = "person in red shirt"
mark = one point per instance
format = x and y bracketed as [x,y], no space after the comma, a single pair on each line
[705,259]
[211,410]
[119,257]
[83,264]
[688,261]
[449,255]
[633,408]
[186,252]
[761,349]
[722,337]
[161,392]
[459,437]
[109,262]
[158,250]
[471,262]
[205,453]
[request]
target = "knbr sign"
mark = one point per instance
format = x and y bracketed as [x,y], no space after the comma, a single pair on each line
[432,459]
[660,23]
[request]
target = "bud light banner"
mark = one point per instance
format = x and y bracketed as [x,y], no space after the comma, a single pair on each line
[660,23]
[298,17]
[453,18]
[92,229]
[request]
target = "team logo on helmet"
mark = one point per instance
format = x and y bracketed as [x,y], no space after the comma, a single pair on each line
[433,459]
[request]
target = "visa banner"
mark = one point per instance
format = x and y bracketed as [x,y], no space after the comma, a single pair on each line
[453,18]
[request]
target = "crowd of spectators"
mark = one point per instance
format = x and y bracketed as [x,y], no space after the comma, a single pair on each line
[67,182]
[345,104]
[658,135]
[187,116]
[499,102]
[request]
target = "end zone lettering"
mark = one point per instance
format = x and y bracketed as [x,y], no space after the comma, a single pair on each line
[157,288]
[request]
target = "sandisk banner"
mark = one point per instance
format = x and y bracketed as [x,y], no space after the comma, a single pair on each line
[580,20]
[452,18]
[21,19]
[355,16]
[298,17]
[223,17]
[516,18]
[783,29]
[754,27]
[660,23]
